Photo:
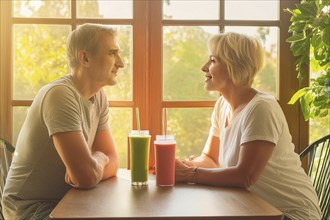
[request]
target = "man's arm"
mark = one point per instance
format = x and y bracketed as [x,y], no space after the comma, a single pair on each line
[104,143]
[84,169]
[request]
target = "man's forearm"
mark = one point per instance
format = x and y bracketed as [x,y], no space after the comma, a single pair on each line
[111,168]
[92,175]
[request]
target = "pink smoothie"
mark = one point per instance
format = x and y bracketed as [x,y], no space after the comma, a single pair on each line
[165,163]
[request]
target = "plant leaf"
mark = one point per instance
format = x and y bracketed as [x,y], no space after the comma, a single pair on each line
[316,41]
[297,95]
[288,10]
[325,35]
[320,101]
[296,37]
[304,108]
[308,9]
[323,113]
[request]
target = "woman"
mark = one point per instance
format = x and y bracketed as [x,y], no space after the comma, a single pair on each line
[249,143]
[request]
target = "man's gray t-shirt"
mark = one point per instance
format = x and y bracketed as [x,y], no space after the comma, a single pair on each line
[36,176]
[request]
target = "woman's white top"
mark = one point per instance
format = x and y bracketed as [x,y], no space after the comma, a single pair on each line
[283,183]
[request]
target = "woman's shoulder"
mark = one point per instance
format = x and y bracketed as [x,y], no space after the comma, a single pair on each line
[263,103]
[221,101]
[263,99]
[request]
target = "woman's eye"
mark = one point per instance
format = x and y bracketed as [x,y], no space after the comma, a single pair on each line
[212,59]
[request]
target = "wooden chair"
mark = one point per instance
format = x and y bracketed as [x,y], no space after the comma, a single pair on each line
[6,152]
[319,171]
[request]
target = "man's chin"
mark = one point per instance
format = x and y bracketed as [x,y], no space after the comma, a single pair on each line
[112,83]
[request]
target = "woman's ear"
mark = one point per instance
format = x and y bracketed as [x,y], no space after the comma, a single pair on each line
[83,58]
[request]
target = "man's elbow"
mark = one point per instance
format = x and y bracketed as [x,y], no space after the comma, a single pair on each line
[246,181]
[88,178]
[84,183]
[111,169]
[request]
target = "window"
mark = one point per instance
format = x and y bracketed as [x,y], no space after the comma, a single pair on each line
[163,45]
[39,31]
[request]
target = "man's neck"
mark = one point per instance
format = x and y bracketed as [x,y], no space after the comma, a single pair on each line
[84,84]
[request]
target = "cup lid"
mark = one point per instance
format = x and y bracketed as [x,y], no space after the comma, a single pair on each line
[169,138]
[137,132]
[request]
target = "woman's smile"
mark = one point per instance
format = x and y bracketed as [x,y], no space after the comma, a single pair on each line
[207,78]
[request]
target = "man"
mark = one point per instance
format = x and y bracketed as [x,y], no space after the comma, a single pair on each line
[65,140]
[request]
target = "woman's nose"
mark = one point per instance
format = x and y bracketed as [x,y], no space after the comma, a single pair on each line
[205,67]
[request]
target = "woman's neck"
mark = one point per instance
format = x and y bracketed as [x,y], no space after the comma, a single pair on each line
[238,97]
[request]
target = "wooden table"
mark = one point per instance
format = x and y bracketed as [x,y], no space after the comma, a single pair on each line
[117,199]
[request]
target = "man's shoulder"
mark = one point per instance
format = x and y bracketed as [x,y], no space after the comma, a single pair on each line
[60,86]
[63,81]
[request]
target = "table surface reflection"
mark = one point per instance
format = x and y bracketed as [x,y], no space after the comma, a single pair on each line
[115,198]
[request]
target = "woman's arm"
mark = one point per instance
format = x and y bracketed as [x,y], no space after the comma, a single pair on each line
[253,158]
[209,156]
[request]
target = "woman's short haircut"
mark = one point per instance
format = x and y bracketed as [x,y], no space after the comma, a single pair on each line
[242,54]
[85,37]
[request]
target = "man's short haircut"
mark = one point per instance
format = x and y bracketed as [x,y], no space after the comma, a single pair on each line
[242,54]
[85,37]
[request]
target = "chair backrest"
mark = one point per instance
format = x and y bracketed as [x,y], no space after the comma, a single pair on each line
[6,152]
[319,171]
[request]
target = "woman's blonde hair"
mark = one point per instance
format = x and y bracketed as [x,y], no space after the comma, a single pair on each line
[85,37]
[242,54]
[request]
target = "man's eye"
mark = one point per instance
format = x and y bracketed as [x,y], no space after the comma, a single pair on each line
[112,52]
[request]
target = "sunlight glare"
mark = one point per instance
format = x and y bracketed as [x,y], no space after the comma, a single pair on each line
[25,10]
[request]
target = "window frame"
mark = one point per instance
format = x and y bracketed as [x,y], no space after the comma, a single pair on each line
[288,83]
[147,24]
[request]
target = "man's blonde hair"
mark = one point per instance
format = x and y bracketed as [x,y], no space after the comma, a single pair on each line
[85,37]
[242,54]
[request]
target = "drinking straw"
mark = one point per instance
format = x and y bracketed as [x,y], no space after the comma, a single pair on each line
[164,122]
[137,118]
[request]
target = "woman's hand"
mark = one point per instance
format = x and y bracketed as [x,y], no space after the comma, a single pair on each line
[201,161]
[183,172]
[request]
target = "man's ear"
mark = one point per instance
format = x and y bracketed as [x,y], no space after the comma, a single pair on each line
[83,57]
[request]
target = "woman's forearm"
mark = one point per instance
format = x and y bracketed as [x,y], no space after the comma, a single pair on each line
[232,176]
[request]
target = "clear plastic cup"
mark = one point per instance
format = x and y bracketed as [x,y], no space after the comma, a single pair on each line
[139,156]
[165,160]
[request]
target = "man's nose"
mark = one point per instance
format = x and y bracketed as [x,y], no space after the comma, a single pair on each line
[119,62]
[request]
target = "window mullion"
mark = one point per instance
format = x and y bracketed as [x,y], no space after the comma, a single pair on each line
[288,82]
[6,71]
[155,70]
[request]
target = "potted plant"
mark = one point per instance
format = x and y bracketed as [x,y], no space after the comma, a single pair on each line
[310,43]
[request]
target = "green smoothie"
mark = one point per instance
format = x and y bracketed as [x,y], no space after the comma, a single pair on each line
[139,157]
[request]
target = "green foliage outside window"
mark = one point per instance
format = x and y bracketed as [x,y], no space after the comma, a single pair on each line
[39,57]
[310,43]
